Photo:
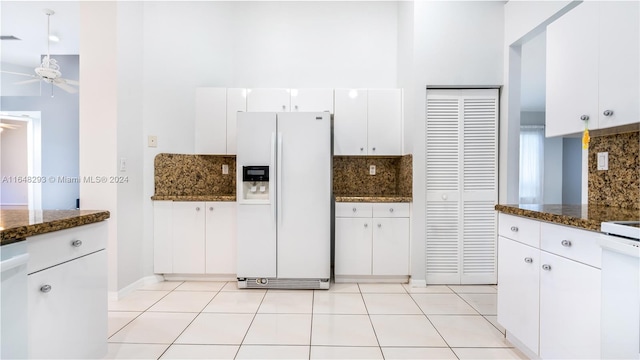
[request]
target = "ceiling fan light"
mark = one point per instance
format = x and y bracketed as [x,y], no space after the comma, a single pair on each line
[54,38]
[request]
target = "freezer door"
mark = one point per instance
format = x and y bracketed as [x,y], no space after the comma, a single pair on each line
[304,195]
[256,241]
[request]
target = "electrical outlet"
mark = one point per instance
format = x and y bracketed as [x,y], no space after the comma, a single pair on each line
[603,161]
[152,141]
[123,164]
[372,169]
[225,169]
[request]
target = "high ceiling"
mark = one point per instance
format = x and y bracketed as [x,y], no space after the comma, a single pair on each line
[27,21]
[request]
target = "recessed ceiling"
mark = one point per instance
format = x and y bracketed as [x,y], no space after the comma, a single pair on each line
[27,21]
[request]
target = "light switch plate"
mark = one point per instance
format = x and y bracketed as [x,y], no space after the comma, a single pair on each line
[152,141]
[372,169]
[225,169]
[603,161]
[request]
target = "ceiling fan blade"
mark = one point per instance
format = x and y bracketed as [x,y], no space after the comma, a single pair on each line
[22,74]
[66,87]
[71,82]
[26,82]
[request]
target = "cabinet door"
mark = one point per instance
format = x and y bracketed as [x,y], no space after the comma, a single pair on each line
[572,71]
[316,100]
[211,121]
[353,246]
[163,237]
[619,59]
[390,246]
[384,109]
[188,237]
[70,320]
[268,100]
[350,122]
[569,309]
[220,239]
[236,101]
[518,293]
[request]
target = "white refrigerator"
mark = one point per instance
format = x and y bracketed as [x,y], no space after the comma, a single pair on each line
[284,223]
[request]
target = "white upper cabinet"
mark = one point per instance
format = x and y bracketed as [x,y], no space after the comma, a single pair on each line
[236,101]
[320,100]
[268,100]
[384,114]
[216,113]
[368,122]
[211,121]
[619,63]
[350,122]
[592,67]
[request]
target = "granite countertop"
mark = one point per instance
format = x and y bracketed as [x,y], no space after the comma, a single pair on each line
[586,217]
[194,197]
[374,199]
[17,225]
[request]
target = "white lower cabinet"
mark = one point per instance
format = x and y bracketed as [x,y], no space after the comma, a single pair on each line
[372,239]
[67,302]
[194,237]
[549,295]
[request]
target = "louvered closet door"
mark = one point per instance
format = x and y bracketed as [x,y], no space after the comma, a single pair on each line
[461,186]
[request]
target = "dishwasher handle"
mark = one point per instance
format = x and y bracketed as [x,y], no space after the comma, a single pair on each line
[14,262]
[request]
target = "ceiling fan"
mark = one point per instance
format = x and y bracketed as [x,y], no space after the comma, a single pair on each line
[49,70]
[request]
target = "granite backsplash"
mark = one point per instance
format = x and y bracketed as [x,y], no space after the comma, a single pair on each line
[194,175]
[393,176]
[620,185]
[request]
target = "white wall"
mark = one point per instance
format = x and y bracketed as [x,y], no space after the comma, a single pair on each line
[98,117]
[13,153]
[455,44]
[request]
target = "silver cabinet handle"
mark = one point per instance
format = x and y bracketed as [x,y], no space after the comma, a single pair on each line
[566,243]
[391,210]
[528,260]
[45,288]
[296,107]
[607,112]
[354,209]
[361,149]
[584,117]
[514,228]
[283,107]
[198,208]
[76,243]
[379,225]
[374,149]
[546,267]
[211,208]
[366,225]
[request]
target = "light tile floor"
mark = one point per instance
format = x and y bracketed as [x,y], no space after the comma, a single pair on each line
[216,320]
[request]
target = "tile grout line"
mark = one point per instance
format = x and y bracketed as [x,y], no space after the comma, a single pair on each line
[371,322]
[313,304]
[191,322]
[478,311]
[251,323]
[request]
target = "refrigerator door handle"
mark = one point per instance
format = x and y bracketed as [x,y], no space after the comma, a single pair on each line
[273,159]
[279,177]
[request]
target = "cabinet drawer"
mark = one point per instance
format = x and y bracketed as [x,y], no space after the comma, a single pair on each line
[394,210]
[50,249]
[363,210]
[575,244]
[519,229]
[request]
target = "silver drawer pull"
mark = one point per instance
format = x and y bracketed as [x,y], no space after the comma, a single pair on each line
[198,208]
[366,225]
[566,243]
[391,210]
[607,113]
[45,288]
[528,260]
[514,228]
[211,208]
[76,243]
[354,209]
[546,267]
[379,225]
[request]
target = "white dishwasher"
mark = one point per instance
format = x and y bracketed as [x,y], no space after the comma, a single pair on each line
[13,301]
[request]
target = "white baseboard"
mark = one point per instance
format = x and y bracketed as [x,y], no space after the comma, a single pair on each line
[116,295]
[198,277]
[418,283]
[372,279]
